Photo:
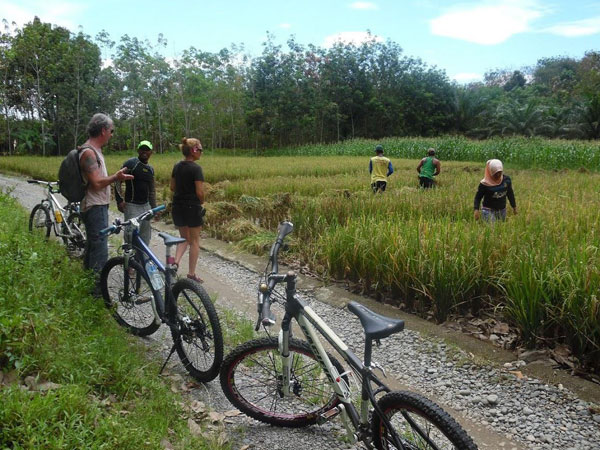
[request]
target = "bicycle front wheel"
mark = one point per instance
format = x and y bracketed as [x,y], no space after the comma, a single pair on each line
[418,423]
[251,378]
[128,294]
[39,220]
[76,243]
[197,337]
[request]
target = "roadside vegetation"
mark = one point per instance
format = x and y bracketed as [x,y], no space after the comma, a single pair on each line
[540,271]
[54,79]
[69,376]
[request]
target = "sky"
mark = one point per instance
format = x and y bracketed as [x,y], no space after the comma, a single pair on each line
[466,39]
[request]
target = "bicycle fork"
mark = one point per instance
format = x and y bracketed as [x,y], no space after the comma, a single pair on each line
[341,388]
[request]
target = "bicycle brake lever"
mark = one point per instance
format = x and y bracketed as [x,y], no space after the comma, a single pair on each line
[376,365]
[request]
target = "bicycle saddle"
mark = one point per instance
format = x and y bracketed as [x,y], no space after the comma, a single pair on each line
[375,325]
[171,240]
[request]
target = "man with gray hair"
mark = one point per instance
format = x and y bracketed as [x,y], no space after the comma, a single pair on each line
[94,206]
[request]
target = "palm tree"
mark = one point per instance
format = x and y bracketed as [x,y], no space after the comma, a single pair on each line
[513,117]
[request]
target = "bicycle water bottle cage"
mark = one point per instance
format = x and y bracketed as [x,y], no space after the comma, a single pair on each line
[375,325]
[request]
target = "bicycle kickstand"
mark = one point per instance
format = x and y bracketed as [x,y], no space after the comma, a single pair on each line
[167,360]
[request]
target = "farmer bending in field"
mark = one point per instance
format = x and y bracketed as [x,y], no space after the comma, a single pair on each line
[428,168]
[380,169]
[140,193]
[493,189]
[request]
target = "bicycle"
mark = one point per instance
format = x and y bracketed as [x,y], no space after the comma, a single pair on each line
[131,286]
[49,215]
[289,382]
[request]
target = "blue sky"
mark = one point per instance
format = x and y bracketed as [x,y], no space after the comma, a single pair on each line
[464,38]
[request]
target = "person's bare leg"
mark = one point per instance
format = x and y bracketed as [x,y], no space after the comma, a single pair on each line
[194,242]
[181,248]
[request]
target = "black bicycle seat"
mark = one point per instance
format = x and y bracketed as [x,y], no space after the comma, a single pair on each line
[171,240]
[375,325]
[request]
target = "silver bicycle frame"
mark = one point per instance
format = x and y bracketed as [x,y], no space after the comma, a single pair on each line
[310,323]
[54,206]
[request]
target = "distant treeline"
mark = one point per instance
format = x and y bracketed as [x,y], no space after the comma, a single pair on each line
[53,80]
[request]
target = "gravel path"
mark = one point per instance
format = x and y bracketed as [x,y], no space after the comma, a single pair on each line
[500,409]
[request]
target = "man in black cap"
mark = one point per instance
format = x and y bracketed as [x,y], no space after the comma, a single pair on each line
[380,169]
[140,193]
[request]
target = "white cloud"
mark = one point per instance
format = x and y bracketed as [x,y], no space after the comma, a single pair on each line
[584,27]
[489,23]
[62,13]
[467,77]
[285,26]
[350,37]
[364,5]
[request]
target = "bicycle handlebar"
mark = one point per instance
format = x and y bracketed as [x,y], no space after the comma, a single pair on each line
[49,184]
[117,225]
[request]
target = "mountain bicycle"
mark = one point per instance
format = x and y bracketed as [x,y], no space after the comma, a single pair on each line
[66,222]
[289,382]
[131,286]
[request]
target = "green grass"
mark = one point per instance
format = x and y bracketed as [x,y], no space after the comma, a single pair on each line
[541,268]
[108,394]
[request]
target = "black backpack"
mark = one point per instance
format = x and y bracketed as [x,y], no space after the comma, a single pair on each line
[71,183]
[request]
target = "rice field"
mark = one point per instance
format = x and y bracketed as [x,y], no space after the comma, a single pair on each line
[540,269]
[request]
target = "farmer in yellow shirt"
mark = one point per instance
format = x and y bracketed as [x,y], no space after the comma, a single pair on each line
[380,169]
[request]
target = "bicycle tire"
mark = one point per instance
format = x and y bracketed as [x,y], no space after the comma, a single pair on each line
[129,297]
[197,337]
[40,219]
[262,399]
[407,410]
[76,243]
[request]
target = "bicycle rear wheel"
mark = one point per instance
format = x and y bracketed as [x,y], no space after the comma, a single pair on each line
[76,242]
[198,338]
[39,220]
[251,378]
[128,294]
[419,424]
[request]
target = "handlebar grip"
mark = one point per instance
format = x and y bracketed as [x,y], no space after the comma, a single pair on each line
[108,230]
[267,317]
[32,181]
[159,208]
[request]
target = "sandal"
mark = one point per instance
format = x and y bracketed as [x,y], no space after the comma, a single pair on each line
[193,276]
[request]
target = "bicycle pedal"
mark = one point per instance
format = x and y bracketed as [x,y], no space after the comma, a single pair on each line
[328,415]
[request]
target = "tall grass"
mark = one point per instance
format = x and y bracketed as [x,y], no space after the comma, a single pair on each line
[423,248]
[519,151]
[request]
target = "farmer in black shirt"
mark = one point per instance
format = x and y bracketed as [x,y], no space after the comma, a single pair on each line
[494,188]
[140,193]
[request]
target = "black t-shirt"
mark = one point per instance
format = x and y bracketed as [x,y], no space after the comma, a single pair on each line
[140,190]
[494,197]
[186,173]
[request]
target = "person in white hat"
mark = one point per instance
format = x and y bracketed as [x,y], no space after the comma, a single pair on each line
[494,189]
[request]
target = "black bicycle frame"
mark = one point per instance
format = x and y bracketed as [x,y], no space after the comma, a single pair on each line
[143,254]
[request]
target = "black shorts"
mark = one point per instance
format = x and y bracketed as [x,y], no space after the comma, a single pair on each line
[187,215]
[426,183]
[378,186]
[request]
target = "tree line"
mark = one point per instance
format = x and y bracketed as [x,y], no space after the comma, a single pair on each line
[54,80]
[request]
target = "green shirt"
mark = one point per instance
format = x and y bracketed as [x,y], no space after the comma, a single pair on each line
[428,168]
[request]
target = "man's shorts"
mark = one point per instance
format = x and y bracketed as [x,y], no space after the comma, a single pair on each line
[426,183]
[379,186]
[188,215]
